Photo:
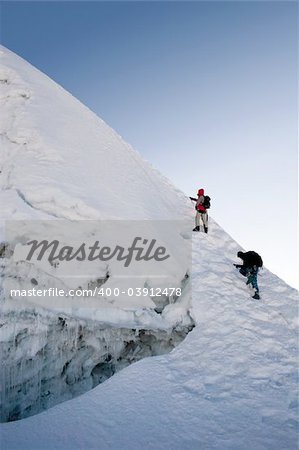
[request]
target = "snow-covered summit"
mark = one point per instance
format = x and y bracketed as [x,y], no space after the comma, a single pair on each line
[59,159]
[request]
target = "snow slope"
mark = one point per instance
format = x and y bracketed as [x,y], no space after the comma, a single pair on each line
[60,161]
[231,384]
[58,158]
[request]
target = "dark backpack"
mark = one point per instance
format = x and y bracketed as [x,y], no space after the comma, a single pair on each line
[207,202]
[254,259]
[259,261]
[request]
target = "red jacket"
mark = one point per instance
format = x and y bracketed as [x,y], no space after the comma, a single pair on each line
[199,204]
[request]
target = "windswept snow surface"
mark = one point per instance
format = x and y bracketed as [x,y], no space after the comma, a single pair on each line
[60,160]
[231,384]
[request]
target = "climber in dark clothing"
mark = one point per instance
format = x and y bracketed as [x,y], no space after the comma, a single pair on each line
[250,267]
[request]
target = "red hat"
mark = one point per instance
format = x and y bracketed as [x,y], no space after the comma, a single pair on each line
[201,192]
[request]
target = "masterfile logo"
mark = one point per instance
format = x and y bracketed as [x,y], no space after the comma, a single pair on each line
[140,250]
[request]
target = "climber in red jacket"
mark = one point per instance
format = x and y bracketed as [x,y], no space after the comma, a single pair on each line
[201,206]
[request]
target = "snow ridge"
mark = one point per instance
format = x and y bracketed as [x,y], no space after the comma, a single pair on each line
[44,133]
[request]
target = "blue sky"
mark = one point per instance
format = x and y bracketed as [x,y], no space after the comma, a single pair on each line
[206,91]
